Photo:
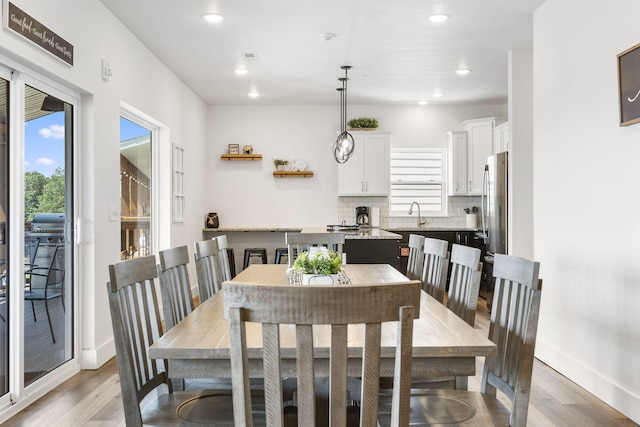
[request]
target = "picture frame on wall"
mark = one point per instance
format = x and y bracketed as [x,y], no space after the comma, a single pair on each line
[234,148]
[629,85]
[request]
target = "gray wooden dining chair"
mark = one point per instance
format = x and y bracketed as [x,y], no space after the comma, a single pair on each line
[299,242]
[175,287]
[435,267]
[223,258]
[415,260]
[208,272]
[513,327]
[340,307]
[135,317]
[464,284]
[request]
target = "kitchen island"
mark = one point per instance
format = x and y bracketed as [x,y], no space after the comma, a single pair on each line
[363,246]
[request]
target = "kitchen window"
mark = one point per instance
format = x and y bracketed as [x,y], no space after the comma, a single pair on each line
[418,175]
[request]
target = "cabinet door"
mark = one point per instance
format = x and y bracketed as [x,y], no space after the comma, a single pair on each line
[457,163]
[480,146]
[376,165]
[351,174]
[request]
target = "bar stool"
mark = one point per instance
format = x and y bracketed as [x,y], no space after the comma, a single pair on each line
[280,252]
[254,252]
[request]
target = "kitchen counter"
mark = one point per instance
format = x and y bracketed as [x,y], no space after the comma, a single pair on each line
[361,234]
[429,228]
[254,229]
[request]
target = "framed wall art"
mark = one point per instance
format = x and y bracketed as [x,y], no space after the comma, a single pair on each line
[234,148]
[629,85]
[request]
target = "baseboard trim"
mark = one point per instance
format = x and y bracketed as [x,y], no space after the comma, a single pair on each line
[590,379]
[94,358]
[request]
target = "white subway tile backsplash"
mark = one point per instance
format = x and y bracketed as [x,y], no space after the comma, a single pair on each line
[457,216]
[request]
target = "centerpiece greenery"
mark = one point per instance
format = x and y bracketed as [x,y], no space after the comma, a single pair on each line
[324,262]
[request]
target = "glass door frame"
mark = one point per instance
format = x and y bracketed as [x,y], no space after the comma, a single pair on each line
[15,236]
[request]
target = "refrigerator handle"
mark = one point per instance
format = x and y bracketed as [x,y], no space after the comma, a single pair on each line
[485,183]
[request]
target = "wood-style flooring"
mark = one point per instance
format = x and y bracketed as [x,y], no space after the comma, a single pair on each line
[92,398]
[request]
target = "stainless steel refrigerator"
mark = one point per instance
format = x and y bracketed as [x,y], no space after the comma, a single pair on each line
[495,232]
[495,203]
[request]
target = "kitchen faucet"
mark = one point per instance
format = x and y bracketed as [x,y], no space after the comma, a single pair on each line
[421,222]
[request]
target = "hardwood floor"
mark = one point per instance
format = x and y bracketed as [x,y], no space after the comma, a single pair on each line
[92,398]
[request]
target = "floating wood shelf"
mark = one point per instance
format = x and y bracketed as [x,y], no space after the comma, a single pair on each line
[290,174]
[241,156]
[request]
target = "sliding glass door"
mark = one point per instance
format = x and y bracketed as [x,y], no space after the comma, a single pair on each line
[37,293]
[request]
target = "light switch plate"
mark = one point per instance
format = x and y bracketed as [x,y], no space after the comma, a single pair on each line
[114,213]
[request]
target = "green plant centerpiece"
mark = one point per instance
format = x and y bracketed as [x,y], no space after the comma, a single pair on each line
[363,123]
[319,260]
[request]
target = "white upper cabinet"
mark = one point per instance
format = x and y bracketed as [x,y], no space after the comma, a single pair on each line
[501,138]
[468,152]
[457,163]
[366,173]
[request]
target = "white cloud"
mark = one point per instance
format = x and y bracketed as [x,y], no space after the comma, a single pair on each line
[45,162]
[53,132]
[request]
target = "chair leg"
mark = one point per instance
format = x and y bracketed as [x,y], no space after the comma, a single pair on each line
[46,307]
[33,309]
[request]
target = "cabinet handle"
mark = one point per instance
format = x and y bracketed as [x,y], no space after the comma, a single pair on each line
[366,186]
[469,186]
[362,186]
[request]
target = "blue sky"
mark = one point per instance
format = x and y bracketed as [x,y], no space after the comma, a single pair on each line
[44,141]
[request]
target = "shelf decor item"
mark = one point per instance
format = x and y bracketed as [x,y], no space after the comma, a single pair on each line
[211,220]
[367,123]
[281,164]
[319,266]
[234,149]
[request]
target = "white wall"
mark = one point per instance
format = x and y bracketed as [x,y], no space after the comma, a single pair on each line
[247,194]
[140,80]
[586,228]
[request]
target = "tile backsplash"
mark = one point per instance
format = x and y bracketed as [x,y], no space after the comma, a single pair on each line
[457,216]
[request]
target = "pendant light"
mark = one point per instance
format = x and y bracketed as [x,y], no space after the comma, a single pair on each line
[344,145]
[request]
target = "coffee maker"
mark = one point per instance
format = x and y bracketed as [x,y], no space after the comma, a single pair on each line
[362,216]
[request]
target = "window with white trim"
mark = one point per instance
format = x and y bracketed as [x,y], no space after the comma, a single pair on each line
[418,175]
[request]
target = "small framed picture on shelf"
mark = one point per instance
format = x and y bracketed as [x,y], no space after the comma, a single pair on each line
[234,148]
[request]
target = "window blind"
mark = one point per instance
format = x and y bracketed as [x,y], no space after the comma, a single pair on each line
[418,175]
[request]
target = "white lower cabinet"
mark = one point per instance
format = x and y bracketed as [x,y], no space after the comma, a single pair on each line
[366,173]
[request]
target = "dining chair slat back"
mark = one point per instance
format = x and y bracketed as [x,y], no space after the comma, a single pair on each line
[135,317]
[223,258]
[208,272]
[339,307]
[513,328]
[299,242]
[136,326]
[464,284]
[175,286]
[435,267]
[415,260]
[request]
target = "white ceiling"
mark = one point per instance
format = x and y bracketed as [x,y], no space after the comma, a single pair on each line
[397,55]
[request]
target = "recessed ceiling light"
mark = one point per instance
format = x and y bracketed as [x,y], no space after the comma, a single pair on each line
[437,94]
[253,94]
[241,71]
[422,102]
[327,36]
[212,17]
[463,71]
[440,17]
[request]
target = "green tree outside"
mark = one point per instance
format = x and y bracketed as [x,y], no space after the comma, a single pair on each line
[43,194]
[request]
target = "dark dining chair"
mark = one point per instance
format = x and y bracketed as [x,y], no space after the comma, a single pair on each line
[341,307]
[513,327]
[46,283]
[135,316]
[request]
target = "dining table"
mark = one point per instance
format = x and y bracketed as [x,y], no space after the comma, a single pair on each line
[443,344]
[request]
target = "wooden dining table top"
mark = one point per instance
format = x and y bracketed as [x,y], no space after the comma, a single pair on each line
[438,332]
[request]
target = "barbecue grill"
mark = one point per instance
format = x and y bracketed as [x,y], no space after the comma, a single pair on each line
[47,228]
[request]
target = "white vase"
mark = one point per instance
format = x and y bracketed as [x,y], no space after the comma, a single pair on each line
[319,279]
